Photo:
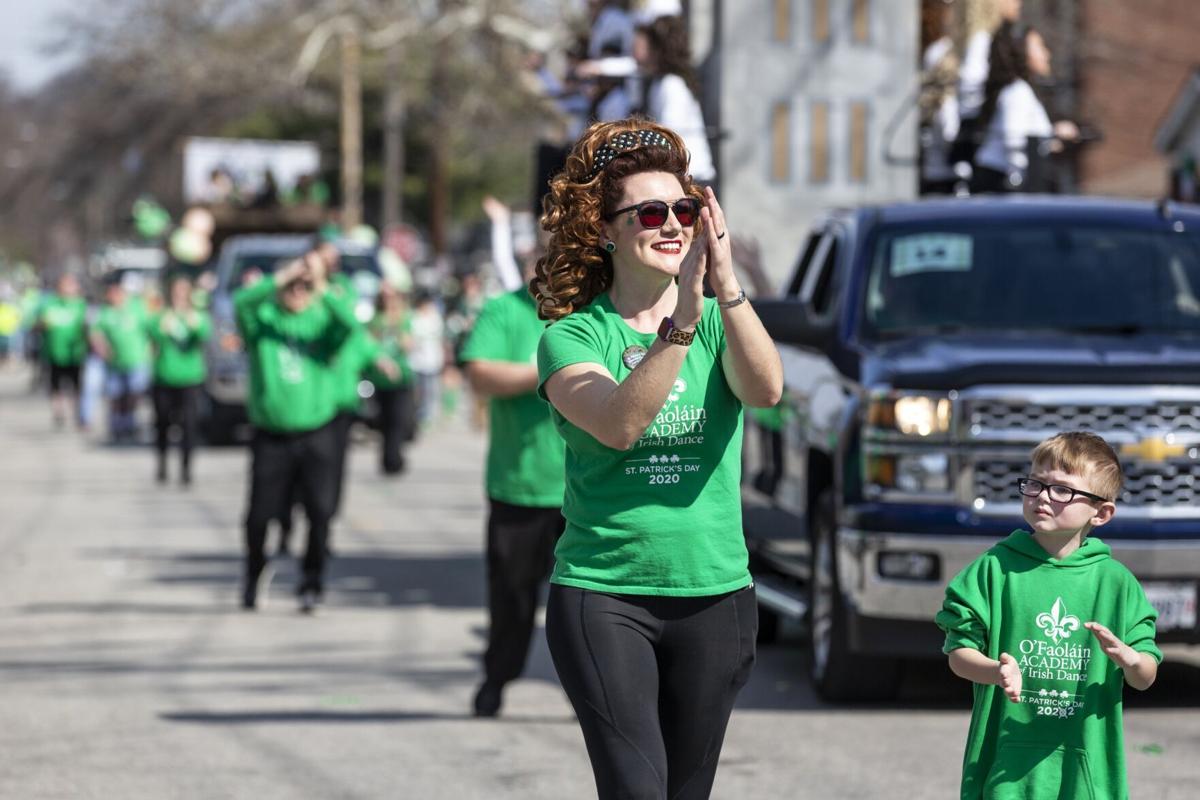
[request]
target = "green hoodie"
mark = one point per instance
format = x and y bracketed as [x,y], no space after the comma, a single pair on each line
[1063,740]
[292,382]
[179,347]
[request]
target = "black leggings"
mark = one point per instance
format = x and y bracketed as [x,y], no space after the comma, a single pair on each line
[175,405]
[652,681]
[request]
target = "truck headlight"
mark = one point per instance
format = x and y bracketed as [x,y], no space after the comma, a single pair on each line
[911,473]
[909,565]
[910,414]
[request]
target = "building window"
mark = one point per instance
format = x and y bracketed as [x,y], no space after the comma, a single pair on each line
[861,21]
[820,21]
[818,142]
[781,143]
[859,118]
[783,20]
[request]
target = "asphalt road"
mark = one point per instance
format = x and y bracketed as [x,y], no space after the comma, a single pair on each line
[128,671]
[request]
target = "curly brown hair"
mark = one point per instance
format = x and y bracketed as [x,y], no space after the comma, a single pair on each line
[576,269]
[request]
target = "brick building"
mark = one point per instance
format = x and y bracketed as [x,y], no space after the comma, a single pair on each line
[1133,58]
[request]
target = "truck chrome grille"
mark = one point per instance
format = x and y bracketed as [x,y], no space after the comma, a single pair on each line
[1162,485]
[1007,415]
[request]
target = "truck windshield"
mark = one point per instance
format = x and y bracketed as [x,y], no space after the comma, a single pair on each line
[1026,275]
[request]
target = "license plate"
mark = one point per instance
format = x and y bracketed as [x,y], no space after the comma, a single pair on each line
[1175,603]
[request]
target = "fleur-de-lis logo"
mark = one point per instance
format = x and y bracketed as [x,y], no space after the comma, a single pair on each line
[1058,624]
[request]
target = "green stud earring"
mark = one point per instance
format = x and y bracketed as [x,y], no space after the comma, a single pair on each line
[610,247]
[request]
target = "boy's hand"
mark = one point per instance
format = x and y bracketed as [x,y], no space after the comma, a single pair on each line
[1010,677]
[1122,654]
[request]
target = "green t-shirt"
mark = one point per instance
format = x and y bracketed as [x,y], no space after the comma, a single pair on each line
[64,326]
[125,330]
[1063,740]
[525,453]
[358,351]
[390,338]
[292,386]
[179,347]
[665,517]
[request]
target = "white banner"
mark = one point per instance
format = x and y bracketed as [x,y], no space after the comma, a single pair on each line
[246,163]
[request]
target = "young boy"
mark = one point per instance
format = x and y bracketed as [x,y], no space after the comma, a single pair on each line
[1049,626]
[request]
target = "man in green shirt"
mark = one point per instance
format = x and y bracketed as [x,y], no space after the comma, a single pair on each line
[524,483]
[178,334]
[292,328]
[120,337]
[62,321]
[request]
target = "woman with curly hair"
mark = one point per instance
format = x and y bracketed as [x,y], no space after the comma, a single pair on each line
[651,618]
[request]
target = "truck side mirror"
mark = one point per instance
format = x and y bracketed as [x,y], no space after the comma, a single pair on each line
[790,321]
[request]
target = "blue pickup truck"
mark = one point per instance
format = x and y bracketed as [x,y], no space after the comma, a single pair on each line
[927,348]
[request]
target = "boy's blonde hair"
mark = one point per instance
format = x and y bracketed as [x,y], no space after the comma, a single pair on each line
[1085,454]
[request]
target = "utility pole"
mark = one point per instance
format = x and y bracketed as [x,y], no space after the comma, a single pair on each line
[351,128]
[393,143]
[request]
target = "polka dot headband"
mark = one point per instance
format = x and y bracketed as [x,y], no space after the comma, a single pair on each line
[623,143]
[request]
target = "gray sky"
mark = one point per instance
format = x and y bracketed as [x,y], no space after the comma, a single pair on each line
[25,25]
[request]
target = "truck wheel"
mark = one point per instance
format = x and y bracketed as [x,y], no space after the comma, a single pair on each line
[838,674]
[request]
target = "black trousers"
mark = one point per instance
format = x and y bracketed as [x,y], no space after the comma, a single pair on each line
[520,554]
[280,462]
[653,681]
[175,405]
[341,425]
[396,419]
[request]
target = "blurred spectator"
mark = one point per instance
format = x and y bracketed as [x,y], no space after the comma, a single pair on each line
[1012,115]
[268,194]
[10,321]
[391,329]
[427,355]
[504,261]
[612,27]
[120,337]
[221,188]
[972,76]
[178,334]
[62,321]
[939,100]
[612,97]
[664,55]
[464,311]
[975,64]
[308,190]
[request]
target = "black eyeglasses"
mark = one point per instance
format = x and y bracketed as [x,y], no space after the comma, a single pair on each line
[653,213]
[1030,487]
